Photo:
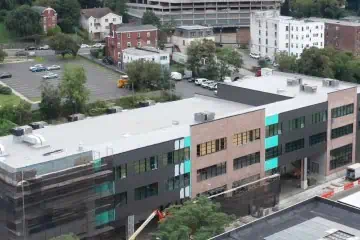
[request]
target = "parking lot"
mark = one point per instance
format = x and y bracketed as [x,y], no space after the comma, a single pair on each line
[100,81]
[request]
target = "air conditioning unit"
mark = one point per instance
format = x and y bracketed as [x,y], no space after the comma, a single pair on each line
[38,125]
[204,116]
[21,131]
[76,117]
[328,82]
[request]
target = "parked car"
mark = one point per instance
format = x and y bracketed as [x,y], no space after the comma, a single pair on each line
[108,60]
[98,45]
[37,68]
[275,64]
[5,75]
[254,55]
[191,79]
[205,84]
[45,47]
[50,75]
[176,76]
[213,86]
[198,81]
[31,54]
[21,53]
[84,46]
[53,67]
[28,48]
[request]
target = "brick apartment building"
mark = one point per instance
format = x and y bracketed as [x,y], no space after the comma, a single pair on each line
[128,36]
[342,35]
[48,17]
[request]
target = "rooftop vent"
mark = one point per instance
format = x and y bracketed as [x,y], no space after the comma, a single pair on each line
[174,122]
[294,81]
[2,151]
[76,117]
[35,139]
[204,116]
[38,125]
[114,109]
[328,82]
[21,131]
[308,88]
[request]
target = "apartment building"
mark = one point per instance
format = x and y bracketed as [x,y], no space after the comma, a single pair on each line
[272,33]
[229,13]
[129,36]
[147,54]
[48,17]
[341,34]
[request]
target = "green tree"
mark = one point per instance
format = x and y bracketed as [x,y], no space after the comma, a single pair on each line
[286,63]
[90,3]
[119,7]
[64,44]
[66,237]
[229,61]
[198,219]
[313,62]
[69,13]
[23,21]
[20,114]
[50,105]
[73,88]
[149,17]
[200,54]
[7,4]
[45,3]
[6,126]
[3,54]
[53,31]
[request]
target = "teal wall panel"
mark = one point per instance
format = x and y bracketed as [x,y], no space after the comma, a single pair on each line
[187,166]
[271,141]
[271,164]
[271,119]
[187,141]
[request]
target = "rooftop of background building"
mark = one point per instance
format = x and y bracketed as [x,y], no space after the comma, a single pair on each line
[335,21]
[275,15]
[313,219]
[143,51]
[277,84]
[193,27]
[135,28]
[122,131]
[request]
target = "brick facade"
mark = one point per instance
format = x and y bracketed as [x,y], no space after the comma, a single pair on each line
[48,19]
[343,37]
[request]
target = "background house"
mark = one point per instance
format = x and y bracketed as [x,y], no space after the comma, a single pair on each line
[97,22]
[145,53]
[48,17]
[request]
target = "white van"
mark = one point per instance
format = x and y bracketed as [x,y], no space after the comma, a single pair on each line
[199,81]
[176,76]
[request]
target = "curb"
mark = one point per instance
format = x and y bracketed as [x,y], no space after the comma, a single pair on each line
[346,186]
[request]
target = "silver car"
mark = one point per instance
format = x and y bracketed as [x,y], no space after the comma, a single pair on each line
[53,67]
[50,75]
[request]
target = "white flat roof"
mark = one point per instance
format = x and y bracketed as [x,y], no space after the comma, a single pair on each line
[148,51]
[193,27]
[124,131]
[352,200]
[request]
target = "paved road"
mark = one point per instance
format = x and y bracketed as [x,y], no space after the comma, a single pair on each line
[187,89]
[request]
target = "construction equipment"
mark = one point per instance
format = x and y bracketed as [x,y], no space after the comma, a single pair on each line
[147,221]
[123,81]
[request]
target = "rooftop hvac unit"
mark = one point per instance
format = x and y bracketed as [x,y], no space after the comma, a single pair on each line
[114,109]
[308,88]
[38,125]
[76,117]
[34,139]
[327,82]
[21,131]
[204,116]
[294,81]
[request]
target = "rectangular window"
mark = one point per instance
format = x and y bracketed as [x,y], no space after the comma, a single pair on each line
[192,34]
[120,199]
[317,138]
[139,44]
[138,34]
[148,42]
[178,182]
[247,160]
[287,28]
[273,129]
[128,35]
[114,19]
[121,171]
[273,152]
[212,171]
[246,137]
[341,131]
[319,117]
[294,145]
[296,123]
[129,44]
[163,57]
[341,156]
[146,191]
[106,20]
[146,164]
[211,147]
[342,110]
[148,34]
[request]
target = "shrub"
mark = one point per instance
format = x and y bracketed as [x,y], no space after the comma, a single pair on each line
[97,111]
[54,30]
[5,90]
[5,126]
[3,14]
[97,108]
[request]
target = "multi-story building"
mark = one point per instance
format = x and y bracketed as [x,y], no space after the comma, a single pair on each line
[129,36]
[229,13]
[341,35]
[145,53]
[93,176]
[184,35]
[96,21]
[48,17]
[272,33]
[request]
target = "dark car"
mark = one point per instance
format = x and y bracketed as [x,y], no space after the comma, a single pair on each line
[30,48]
[5,75]
[108,60]
[21,54]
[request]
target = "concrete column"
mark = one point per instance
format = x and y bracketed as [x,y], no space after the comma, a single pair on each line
[130,226]
[304,184]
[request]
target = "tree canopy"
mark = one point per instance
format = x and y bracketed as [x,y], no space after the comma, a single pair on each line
[50,105]
[23,21]
[198,219]
[119,7]
[149,17]
[309,8]
[229,61]
[64,44]
[73,89]
[3,54]
[68,14]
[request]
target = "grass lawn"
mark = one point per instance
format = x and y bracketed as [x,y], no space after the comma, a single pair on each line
[9,99]
[4,34]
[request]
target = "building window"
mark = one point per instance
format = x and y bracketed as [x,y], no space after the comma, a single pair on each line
[294,145]
[259,40]
[208,33]
[275,43]
[296,123]
[138,35]
[259,48]
[213,191]
[342,111]
[114,19]
[176,156]
[266,33]
[192,34]
[317,138]
[286,45]
[247,160]
[120,199]
[212,171]
[319,117]
[275,25]
[178,182]
[275,34]
[106,20]
[146,191]
[148,42]
[148,34]
[342,131]
[292,45]
[211,147]
[292,28]
[266,41]
[139,44]
[273,152]
[120,171]
[287,28]
[273,129]
[183,42]
[128,35]
[163,57]
[287,36]
[341,156]
[146,164]
[129,44]
[246,137]
[297,46]
[201,34]
[259,32]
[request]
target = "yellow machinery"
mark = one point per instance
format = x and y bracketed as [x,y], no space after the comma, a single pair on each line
[123,81]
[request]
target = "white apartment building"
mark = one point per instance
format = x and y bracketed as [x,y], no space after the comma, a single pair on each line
[97,21]
[184,35]
[145,53]
[272,33]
